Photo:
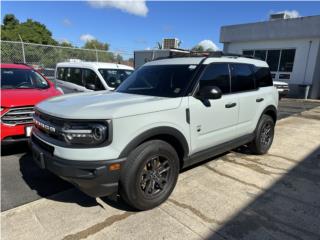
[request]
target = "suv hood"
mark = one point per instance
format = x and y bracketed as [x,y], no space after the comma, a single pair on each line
[105,105]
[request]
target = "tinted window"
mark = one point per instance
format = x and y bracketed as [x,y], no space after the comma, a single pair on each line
[216,75]
[74,75]
[273,59]
[90,77]
[263,77]
[61,73]
[159,80]
[261,54]
[242,78]
[114,77]
[248,52]
[22,78]
[287,58]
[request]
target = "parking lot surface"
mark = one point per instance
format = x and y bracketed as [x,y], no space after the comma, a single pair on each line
[234,196]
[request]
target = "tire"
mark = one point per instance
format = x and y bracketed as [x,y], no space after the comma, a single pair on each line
[263,136]
[150,175]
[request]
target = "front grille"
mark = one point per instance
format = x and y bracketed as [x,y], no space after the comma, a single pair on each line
[42,144]
[18,116]
[49,121]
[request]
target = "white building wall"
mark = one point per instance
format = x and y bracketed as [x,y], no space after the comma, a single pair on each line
[303,69]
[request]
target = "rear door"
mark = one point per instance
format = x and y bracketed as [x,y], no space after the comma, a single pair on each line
[243,86]
[214,122]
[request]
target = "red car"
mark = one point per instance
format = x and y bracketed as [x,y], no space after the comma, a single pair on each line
[22,87]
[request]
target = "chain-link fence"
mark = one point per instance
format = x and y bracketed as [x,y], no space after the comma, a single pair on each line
[47,56]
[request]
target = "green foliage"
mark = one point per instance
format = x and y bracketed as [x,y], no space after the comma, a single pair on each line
[30,31]
[198,48]
[95,44]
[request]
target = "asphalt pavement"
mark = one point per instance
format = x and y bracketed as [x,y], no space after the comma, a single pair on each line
[23,182]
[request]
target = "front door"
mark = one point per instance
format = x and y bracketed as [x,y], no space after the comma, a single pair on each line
[215,121]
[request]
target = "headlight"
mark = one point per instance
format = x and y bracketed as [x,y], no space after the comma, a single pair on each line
[87,134]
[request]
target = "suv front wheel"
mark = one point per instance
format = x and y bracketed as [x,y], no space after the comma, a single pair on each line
[150,174]
[263,136]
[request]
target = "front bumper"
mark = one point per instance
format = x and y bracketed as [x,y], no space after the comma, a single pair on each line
[12,134]
[92,177]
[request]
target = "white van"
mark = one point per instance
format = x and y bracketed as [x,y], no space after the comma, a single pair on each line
[90,76]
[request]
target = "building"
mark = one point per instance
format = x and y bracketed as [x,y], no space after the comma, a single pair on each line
[168,43]
[291,46]
[143,56]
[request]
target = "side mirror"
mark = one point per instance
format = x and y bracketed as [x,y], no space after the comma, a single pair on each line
[209,92]
[91,86]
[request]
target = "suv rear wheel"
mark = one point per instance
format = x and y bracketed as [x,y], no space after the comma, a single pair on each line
[150,174]
[264,135]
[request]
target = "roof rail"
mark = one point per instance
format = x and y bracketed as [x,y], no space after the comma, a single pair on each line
[207,54]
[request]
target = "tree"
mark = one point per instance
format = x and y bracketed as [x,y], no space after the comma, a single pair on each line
[65,44]
[30,31]
[198,48]
[159,45]
[95,44]
[10,20]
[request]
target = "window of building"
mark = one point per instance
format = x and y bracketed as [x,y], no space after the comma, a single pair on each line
[242,78]
[261,54]
[263,77]
[287,59]
[216,75]
[273,59]
[90,77]
[248,52]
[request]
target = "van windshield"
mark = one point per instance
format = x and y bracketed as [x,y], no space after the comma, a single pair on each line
[159,80]
[114,77]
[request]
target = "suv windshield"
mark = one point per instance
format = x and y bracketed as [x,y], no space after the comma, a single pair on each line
[159,80]
[114,77]
[21,78]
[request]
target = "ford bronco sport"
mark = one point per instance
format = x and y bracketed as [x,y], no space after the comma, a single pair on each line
[169,114]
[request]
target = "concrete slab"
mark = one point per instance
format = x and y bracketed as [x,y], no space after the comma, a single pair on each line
[235,196]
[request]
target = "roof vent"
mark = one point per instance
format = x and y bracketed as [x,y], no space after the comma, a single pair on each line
[280,16]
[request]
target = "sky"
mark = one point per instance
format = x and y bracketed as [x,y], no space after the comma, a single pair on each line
[137,25]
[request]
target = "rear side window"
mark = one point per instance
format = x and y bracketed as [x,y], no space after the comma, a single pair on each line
[263,77]
[242,78]
[72,75]
[216,75]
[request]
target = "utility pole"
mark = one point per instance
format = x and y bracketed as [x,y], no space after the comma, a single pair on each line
[23,53]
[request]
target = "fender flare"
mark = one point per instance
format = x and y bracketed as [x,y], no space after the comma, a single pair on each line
[273,109]
[154,132]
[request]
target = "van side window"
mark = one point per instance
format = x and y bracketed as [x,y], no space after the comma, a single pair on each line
[263,77]
[61,73]
[90,77]
[242,78]
[74,75]
[217,75]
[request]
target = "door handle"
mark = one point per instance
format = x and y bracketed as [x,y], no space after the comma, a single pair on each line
[259,99]
[230,105]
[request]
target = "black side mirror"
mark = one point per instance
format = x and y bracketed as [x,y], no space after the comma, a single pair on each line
[209,92]
[91,86]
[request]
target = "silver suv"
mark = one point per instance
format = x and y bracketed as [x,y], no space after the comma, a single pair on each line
[167,115]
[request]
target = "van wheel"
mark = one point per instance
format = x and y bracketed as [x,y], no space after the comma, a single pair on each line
[263,136]
[150,175]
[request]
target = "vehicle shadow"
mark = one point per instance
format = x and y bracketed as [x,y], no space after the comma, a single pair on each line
[14,148]
[289,209]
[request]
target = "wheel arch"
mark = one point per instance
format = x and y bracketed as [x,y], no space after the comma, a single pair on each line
[168,134]
[271,110]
